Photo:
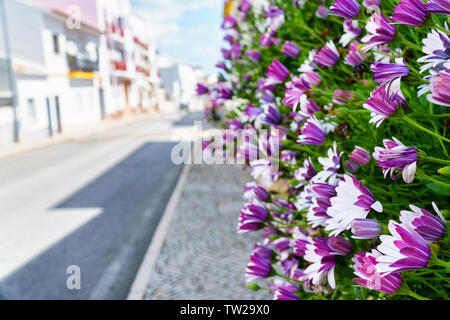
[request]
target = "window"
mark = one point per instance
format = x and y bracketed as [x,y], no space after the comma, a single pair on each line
[31,110]
[55,43]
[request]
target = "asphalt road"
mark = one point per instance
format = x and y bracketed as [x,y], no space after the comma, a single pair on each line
[90,205]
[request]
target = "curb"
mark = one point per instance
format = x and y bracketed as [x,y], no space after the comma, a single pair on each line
[139,286]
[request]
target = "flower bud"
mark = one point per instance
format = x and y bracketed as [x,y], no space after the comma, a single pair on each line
[339,245]
[445,171]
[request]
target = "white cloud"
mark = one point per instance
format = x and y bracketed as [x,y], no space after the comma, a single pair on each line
[165,14]
[172,34]
[205,50]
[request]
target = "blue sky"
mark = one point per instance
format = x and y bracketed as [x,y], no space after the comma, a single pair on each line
[187,30]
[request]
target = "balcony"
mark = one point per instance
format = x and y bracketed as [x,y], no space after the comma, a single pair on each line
[140,43]
[119,65]
[82,68]
[143,70]
[81,64]
[116,27]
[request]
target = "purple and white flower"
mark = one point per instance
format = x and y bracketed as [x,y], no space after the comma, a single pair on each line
[245,5]
[259,266]
[265,170]
[272,115]
[357,157]
[252,112]
[395,156]
[330,166]
[261,194]
[322,12]
[300,246]
[292,97]
[355,56]
[365,268]
[310,62]
[283,293]
[410,12]
[389,75]
[371,5]
[382,106]
[306,172]
[339,245]
[276,73]
[347,9]
[290,49]
[403,250]
[229,22]
[424,223]
[201,89]
[252,218]
[352,201]
[328,55]
[266,40]
[254,55]
[380,30]
[366,229]
[360,155]
[438,7]
[317,212]
[440,89]
[342,96]
[323,261]
[312,78]
[267,96]
[351,165]
[307,107]
[270,144]
[276,17]
[248,190]
[436,47]
[221,65]
[351,31]
[313,132]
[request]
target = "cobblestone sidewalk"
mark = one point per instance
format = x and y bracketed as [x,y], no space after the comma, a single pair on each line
[203,258]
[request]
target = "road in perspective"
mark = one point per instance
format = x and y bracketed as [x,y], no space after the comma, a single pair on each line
[91,204]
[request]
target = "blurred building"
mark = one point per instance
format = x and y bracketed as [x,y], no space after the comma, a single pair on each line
[55,72]
[73,62]
[180,82]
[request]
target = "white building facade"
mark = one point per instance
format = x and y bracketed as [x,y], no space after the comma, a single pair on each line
[69,72]
[55,71]
[180,83]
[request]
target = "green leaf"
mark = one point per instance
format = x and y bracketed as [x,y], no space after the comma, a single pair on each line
[439,189]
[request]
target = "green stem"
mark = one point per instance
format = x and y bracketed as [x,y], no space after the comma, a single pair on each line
[422,175]
[405,291]
[436,160]
[415,295]
[427,115]
[419,126]
[412,45]
[287,278]
[442,263]
[441,29]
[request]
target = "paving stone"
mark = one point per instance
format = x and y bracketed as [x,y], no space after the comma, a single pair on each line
[203,258]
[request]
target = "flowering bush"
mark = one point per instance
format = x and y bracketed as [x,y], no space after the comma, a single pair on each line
[355,96]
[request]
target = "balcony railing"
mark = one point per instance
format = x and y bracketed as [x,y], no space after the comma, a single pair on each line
[81,64]
[119,65]
[143,70]
[115,28]
[140,43]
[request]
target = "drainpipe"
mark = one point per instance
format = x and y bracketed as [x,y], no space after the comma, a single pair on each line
[11,78]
